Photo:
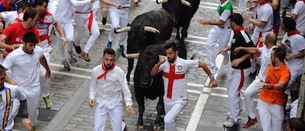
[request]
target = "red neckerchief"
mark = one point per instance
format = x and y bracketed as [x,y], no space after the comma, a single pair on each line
[106,70]
[6,4]
[239,29]
[293,32]
[304,1]
[264,2]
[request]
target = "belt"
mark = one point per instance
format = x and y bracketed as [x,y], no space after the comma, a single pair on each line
[78,12]
[225,27]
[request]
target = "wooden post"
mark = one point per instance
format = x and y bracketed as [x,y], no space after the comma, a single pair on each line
[302,95]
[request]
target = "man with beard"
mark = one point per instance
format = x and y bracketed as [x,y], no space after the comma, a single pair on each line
[24,65]
[271,99]
[174,70]
[108,82]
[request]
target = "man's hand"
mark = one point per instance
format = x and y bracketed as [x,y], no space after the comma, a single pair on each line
[92,1]
[246,16]
[235,62]
[27,123]
[236,50]
[288,58]
[48,74]
[222,50]
[213,83]
[129,110]
[64,41]
[250,27]
[162,59]
[91,102]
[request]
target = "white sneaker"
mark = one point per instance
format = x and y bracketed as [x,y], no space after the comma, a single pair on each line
[225,60]
[229,123]
[214,70]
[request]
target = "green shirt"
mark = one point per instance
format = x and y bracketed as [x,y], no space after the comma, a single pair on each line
[227,6]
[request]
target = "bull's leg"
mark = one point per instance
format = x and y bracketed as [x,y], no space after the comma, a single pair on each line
[184,30]
[178,33]
[159,122]
[140,100]
[129,69]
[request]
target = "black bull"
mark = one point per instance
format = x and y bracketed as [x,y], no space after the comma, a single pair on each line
[151,87]
[147,29]
[182,12]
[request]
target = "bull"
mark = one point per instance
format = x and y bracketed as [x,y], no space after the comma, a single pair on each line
[146,29]
[182,12]
[147,86]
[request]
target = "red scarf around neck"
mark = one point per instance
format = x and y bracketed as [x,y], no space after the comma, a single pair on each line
[239,29]
[293,32]
[264,2]
[304,1]
[105,71]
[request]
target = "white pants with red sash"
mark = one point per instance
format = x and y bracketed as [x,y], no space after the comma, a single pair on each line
[82,19]
[235,82]
[271,116]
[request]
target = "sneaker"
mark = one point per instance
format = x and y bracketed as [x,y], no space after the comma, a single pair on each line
[77,49]
[122,47]
[229,123]
[109,43]
[104,20]
[84,56]
[48,102]
[73,56]
[214,70]
[225,60]
[251,122]
[66,65]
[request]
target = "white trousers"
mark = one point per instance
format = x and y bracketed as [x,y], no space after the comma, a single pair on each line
[115,114]
[118,19]
[235,82]
[172,110]
[271,116]
[45,83]
[69,32]
[85,19]
[249,93]
[52,6]
[294,76]
[222,36]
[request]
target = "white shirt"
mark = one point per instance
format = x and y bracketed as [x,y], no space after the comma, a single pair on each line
[65,9]
[9,17]
[181,66]
[14,92]
[24,67]
[299,9]
[108,92]
[265,61]
[294,45]
[265,13]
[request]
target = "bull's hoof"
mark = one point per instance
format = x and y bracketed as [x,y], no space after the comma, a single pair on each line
[156,127]
[139,127]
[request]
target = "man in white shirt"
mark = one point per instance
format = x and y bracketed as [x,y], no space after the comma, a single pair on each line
[108,82]
[24,64]
[65,16]
[220,33]
[9,16]
[298,14]
[254,88]
[294,45]
[84,17]
[175,82]
[263,22]
[7,93]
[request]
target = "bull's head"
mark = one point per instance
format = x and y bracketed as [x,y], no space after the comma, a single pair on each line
[146,61]
[173,7]
[138,37]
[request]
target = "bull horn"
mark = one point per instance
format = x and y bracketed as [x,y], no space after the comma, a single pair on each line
[184,2]
[132,56]
[151,29]
[161,1]
[124,29]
